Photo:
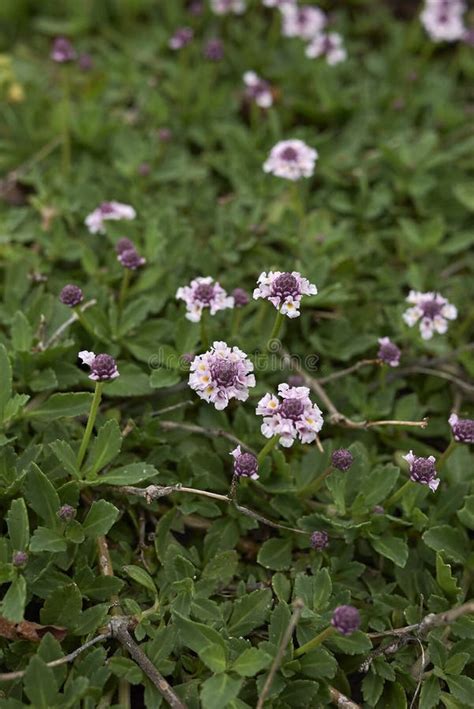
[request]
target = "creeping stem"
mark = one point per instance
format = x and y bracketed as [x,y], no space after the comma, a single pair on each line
[90,423]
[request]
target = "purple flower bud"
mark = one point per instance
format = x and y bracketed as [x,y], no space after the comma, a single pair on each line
[71,296]
[245,464]
[241,297]
[342,459]
[19,558]
[346,619]
[388,352]
[463,429]
[85,62]
[181,38]
[165,135]
[144,169]
[319,540]
[422,470]
[214,50]
[124,244]
[66,513]
[131,259]
[103,368]
[188,357]
[62,51]
[295,380]
[196,7]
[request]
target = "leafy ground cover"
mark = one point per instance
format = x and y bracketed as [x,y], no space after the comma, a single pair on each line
[141,563]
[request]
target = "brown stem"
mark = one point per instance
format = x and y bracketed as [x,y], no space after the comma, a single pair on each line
[119,630]
[340,699]
[348,370]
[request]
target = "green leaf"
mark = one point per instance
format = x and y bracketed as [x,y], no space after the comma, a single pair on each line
[464,193]
[217,692]
[127,475]
[392,548]
[372,688]
[62,607]
[336,484]
[134,313]
[430,693]
[445,578]
[204,640]
[5,379]
[456,663]
[100,518]
[45,539]
[65,454]
[449,540]
[105,448]
[322,585]
[462,688]
[42,496]
[13,604]
[142,577]
[162,377]
[62,406]
[318,663]
[18,525]
[249,612]
[22,333]
[40,684]
[275,554]
[355,644]
[251,662]
[466,515]
[376,487]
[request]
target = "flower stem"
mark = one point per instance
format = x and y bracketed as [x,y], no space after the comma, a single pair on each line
[269,445]
[204,335]
[124,288]
[444,457]
[90,423]
[275,332]
[236,320]
[314,486]
[316,641]
[398,494]
[66,112]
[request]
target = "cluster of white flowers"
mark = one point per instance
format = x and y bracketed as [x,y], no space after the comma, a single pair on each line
[284,291]
[225,7]
[204,293]
[292,418]
[108,211]
[443,20]
[258,90]
[329,46]
[431,310]
[291,159]
[220,374]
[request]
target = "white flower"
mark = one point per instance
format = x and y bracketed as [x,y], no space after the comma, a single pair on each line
[108,211]
[204,293]
[329,46]
[431,310]
[224,7]
[220,374]
[258,89]
[278,3]
[443,20]
[284,291]
[303,22]
[291,159]
[295,417]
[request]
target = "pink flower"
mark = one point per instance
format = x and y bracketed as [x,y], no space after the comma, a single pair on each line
[258,90]
[180,38]
[103,367]
[304,22]
[432,310]
[422,470]
[221,374]
[245,464]
[291,159]
[295,417]
[463,429]
[284,291]
[278,3]
[327,45]
[443,20]
[107,211]
[204,293]
[225,7]
[388,352]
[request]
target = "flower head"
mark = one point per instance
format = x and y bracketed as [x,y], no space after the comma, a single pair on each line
[225,7]
[329,46]
[388,352]
[284,290]
[241,297]
[443,20]
[319,540]
[108,211]
[258,90]
[245,464]
[103,367]
[463,429]
[342,459]
[304,22]
[221,374]
[62,51]
[66,513]
[422,470]
[19,558]
[131,259]
[71,295]
[214,49]
[204,293]
[432,310]
[291,160]
[346,619]
[294,417]
[180,38]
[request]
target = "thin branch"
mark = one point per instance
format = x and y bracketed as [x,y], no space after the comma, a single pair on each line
[9,676]
[440,373]
[119,630]
[340,699]
[153,492]
[167,409]
[209,432]
[298,606]
[430,621]
[348,370]
[57,333]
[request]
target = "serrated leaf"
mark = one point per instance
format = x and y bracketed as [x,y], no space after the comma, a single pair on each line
[393,548]
[100,518]
[62,607]
[204,640]
[466,515]
[46,539]
[105,448]
[65,454]
[355,644]
[449,540]
[217,692]
[251,662]
[249,612]
[275,554]
[445,578]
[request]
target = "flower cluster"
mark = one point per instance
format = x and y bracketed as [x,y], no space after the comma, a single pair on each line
[245,464]
[443,20]
[221,374]
[71,296]
[284,290]
[463,429]
[319,540]
[258,90]
[225,7]
[342,459]
[432,310]
[204,293]
[181,37]
[422,470]
[295,416]
[108,211]
[291,159]
[330,46]
[103,367]
[388,352]
[62,51]
[304,22]
[127,254]
[214,49]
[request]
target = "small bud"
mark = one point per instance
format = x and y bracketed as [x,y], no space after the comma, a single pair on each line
[245,464]
[71,296]
[241,297]
[214,50]
[19,558]
[66,513]
[346,619]
[131,259]
[319,540]
[103,368]
[342,459]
